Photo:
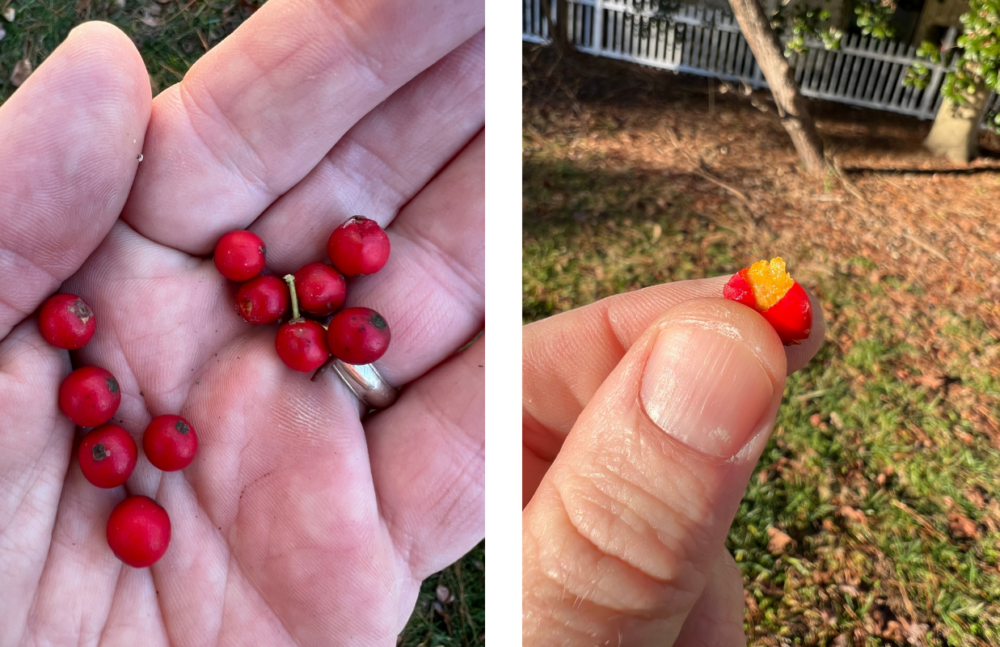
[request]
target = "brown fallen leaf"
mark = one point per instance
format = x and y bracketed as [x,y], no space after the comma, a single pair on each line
[931,381]
[851,514]
[849,589]
[893,631]
[915,634]
[962,527]
[22,70]
[976,497]
[778,540]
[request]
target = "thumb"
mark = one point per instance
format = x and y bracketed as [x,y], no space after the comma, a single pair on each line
[621,535]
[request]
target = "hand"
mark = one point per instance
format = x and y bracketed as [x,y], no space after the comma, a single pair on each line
[301,521]
[641,431]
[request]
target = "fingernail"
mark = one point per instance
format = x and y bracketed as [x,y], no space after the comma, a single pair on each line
[706,390]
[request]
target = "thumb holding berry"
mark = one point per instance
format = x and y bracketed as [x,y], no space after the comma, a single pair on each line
[623,539]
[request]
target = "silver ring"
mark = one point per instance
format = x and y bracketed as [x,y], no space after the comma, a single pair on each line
[366,384]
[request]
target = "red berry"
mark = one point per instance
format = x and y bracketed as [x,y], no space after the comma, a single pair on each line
[301,345]
[321,289]
[239,255]
[358,247]
[170,443]
[89,396]
[766,287]
[738,289]
[791,317]
[66,321]
[262,300]
[107,456]
[138,531]
[358,335]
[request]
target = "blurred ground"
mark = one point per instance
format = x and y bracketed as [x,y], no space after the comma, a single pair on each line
[874,514]
[171,35]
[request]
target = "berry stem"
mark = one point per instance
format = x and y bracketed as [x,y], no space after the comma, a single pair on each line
[290,280]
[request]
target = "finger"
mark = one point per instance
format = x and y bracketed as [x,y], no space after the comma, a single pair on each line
[433,289]
[559,379]
[35,441]
[427,455]
[259,111]
[717,617]
[73,599]
[71,135]
[383,161]
[621,535]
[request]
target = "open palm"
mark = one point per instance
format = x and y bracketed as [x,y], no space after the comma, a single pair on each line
[302,520]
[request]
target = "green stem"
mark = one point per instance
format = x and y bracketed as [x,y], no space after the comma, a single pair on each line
[290,280]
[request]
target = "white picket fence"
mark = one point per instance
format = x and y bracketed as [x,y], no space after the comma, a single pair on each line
[863,72]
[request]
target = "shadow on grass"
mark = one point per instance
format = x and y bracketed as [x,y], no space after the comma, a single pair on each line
[588,233]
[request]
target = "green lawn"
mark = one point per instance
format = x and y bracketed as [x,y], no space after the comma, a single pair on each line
[171,36]
[883,467]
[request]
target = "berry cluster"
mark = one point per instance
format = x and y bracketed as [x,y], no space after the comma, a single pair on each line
[138,529]
[353,335]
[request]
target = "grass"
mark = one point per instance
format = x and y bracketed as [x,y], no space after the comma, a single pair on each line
[171,36]
[883,467]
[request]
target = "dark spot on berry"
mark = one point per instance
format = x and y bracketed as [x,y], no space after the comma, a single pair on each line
[99,452]
[378,321]
[81,310]
[112,385]
[182,427]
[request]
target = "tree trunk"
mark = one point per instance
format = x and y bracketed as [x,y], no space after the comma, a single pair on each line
[557,12]
[955,133]
[769,52]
